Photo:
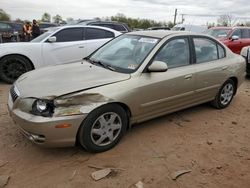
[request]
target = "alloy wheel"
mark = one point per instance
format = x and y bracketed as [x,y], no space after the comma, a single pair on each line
[106,129]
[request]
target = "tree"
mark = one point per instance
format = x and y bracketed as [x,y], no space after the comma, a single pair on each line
[226,20]
[4,16]
[57,19]
[137,22]
[46,17]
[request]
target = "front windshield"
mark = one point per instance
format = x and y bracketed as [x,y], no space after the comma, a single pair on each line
[218,33]
[125,53]
[44,35]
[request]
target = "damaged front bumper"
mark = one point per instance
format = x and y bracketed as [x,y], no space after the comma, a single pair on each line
[43,130]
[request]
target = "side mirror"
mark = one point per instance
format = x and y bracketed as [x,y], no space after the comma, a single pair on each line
[245,52]
[234,37]
[158,66]
[52,39]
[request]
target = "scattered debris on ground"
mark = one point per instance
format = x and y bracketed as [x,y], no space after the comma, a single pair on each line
[97,175]
[4,179]
[73,175]
[139,184]
[209,142]
[179,173]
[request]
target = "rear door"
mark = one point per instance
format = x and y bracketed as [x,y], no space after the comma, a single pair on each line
[95,38]
[211,70]
[68,48]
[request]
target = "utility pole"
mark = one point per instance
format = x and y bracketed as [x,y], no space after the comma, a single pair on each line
[175,15]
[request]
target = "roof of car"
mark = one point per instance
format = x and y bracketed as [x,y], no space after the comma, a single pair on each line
[157,33]
[236,27]
[89,26]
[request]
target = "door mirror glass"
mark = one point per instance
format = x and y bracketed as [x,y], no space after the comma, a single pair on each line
[235,37]
[52,39]
[158,66]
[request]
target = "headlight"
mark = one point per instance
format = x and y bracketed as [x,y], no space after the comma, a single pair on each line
[43,107]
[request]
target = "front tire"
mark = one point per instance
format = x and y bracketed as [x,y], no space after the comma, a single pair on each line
[225,95]
[13,66]
[103,128]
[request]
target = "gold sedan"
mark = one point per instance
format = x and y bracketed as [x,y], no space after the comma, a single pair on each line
[133,78]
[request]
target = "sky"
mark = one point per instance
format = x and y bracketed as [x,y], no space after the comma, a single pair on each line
[195,11]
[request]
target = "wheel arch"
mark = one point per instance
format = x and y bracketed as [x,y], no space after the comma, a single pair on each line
[123,105]
[127,110]
[235,80]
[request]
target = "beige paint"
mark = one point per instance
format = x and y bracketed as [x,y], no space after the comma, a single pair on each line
[80,88]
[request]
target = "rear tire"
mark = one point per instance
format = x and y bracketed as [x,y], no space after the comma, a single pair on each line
[13,66]
[225,95]
[103,128]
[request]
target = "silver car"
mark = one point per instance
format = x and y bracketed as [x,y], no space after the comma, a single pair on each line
[133,78]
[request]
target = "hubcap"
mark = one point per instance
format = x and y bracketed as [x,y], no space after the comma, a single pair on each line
[227,94]
[106,129]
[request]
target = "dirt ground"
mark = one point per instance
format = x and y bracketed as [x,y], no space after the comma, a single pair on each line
[213,144]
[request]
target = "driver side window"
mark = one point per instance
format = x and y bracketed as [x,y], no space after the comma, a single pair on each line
[175,53]
[69,35]
[237,33]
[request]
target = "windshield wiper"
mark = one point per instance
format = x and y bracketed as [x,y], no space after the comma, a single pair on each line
[106,66]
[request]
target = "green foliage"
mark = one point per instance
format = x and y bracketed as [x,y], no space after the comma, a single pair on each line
[46,17]
[57,19]
[4,16]
[139,23]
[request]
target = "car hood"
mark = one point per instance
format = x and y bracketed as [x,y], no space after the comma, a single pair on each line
[58,80]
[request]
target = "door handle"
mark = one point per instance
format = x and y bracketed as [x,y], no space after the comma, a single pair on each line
[224,68]
[188,77]
[81,47]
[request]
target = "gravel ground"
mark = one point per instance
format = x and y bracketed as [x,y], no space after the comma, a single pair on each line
[213,144]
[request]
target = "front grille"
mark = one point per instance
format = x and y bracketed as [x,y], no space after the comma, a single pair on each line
[14,93]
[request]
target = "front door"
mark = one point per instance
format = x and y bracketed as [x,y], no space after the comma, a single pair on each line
[163,92]
[68,48]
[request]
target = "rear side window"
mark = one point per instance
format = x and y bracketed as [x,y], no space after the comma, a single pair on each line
[69,35]
[245,33]
[237,33]
[119,27]
[207,50]
[93,33]
[4,26]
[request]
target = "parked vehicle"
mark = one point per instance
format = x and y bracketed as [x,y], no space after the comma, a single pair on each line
[235,38]
[245,52]
[11,31]
[45,25]
[133,78]
[189,28]
[66,44]
[121,27]
[159,28]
